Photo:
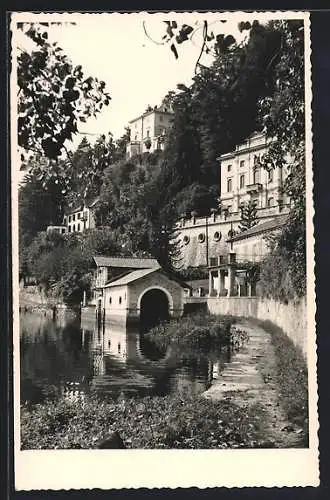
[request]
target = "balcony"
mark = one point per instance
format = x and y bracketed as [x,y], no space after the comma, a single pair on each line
[254,188]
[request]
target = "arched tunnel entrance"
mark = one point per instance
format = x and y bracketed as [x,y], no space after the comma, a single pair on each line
[154,308]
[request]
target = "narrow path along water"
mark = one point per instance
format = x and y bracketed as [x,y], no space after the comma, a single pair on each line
[250,379]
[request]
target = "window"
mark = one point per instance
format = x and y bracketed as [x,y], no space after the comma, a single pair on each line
[74,228]
[229,208]
[201,237]
[69,218]
[148,133]
[135,138]
[242,164]
[63,230]
[74,217]
[110,300]
[119,347]
[271,175]
[270,202]
[160,118]
[229,185]
[229,168]
[242,181]
[78,228]
[64,220]
[120,300]
[217,236]
[256,176]
[186,239]
[256,159]
[69,229]
[78,215]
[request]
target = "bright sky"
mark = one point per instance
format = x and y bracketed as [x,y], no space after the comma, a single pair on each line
[137,72]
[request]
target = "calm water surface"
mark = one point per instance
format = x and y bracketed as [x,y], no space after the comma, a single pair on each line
[75,360]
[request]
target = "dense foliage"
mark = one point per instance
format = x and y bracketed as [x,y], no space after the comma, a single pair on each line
[284,119]
[150,422]
[62,264]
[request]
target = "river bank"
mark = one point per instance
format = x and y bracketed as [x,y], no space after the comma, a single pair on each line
[254,401]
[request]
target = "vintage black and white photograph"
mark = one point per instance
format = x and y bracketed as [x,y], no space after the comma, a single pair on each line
[162,227]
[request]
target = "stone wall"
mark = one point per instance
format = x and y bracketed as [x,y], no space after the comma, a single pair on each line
[291,317]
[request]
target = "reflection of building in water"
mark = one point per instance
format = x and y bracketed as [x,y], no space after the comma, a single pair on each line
[111,339]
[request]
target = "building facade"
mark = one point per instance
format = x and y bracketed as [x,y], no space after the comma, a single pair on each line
[148,131]
[144,294]
[80,218]
[205,239]
[107,268]
[243,179]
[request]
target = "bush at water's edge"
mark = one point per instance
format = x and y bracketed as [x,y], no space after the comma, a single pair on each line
[196,330]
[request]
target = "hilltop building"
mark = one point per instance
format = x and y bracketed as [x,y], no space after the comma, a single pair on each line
[203,239]
[148,130]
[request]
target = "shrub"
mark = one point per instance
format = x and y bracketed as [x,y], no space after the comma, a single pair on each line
[204,331]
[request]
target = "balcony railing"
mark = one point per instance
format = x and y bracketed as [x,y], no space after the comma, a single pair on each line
[254,188]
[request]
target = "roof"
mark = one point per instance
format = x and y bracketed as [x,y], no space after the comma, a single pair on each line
[270,225]
[130,277]
[102,261]
[141,273]
[90,203]
[154,110]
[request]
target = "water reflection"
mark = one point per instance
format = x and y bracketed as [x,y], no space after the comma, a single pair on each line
[76,359]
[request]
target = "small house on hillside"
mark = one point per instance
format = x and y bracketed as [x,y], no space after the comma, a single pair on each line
[81,217]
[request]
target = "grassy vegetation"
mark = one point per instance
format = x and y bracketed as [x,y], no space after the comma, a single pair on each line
[150,422]
[291,375]
[199,330]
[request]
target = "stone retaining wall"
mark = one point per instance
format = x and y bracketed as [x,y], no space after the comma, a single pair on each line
[291,317]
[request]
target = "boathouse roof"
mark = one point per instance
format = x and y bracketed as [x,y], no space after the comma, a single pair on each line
[132,263]
[128,278]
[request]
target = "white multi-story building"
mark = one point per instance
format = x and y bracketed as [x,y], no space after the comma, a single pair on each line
[148,130]
[244,179]
[81,217]
[77,219]
[203,240]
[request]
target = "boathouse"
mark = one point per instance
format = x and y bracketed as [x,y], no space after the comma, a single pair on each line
[144,295]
